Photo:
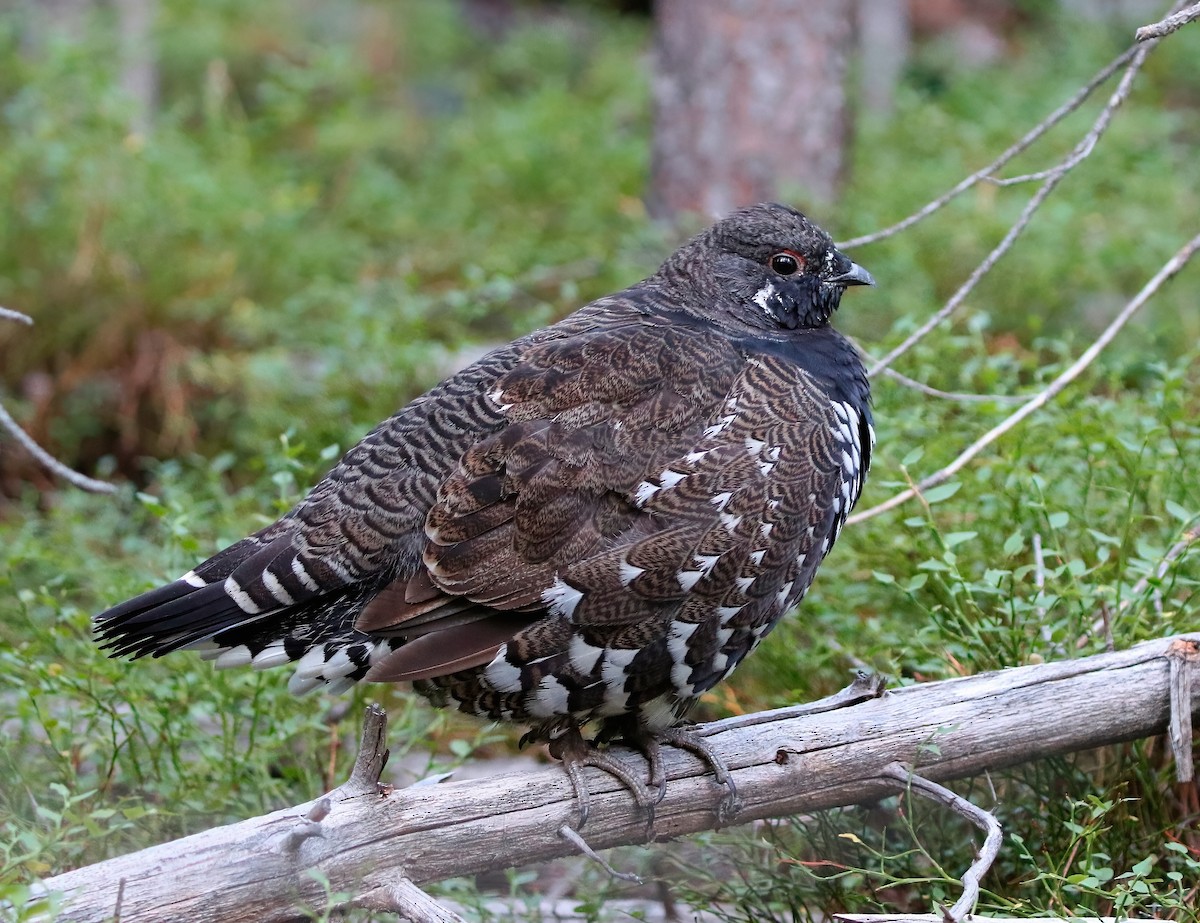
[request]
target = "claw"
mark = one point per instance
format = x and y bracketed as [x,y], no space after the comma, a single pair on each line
[658,772]
[575,753]
[687,739]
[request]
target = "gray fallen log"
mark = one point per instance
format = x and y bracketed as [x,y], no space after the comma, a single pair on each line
[784,762]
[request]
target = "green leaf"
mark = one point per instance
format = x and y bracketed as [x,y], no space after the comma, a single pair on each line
[1014,543]
[954,539]
[942,492]
[1179,512]
[1059,520]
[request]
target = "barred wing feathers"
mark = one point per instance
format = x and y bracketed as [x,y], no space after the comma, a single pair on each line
[605,513]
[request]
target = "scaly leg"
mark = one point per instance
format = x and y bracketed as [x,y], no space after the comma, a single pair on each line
[576,753]
[650,743]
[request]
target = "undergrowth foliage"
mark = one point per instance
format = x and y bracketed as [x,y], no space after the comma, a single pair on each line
[337,204]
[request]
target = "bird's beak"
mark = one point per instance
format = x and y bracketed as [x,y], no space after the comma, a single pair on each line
[855,275]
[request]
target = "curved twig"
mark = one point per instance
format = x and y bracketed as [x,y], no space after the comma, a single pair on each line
[952,395]
[9,314]
[1024,143]
[1052,178]
[1168,270]
[44,458]
[984,820]
[1170,24]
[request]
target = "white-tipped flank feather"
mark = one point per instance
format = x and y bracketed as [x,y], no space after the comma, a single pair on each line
[273,655]
[239,656]
[561,597]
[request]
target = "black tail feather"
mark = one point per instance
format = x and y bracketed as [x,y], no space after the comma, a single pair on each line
[168,618]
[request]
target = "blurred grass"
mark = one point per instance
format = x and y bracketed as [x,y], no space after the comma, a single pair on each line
[328,207]
[337,200]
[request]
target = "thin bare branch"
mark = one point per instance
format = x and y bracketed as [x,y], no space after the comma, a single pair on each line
[572,836]
[1053,178]
[44,458]
[959,396]
[9,314]
[1168,270]
[1023,144]
[984,820]
[976,275]
[48,461]
[1166,26]
[1088,142]
[408,902]
[372,756]
[1103,622]
[1190,535]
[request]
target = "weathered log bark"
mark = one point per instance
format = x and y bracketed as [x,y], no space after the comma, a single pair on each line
[784,762]
[749,102]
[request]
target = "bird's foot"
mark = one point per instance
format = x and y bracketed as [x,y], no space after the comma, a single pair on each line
[685,738]
[575,753]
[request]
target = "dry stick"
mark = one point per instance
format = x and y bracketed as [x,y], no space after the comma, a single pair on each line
[1030,137]
[1190,535]
[984,820]
[364,780]
[1051,179]
[400,896]
[952,395]
[1184,656]
[82,481]
[1169,269]
[1104,623]
[572,836]
[48,461]
[866,686]
[1088,142]
[1039,584]
[20,318]
[372,757]
[1168,25]
[407,901]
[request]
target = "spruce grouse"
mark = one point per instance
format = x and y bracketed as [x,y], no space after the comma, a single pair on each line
[594,523]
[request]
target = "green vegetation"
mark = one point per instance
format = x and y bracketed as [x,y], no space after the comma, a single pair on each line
[336,200]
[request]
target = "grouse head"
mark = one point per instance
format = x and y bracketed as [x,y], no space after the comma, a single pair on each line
[767,267]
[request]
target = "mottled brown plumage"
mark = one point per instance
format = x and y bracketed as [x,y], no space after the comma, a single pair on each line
[597,522]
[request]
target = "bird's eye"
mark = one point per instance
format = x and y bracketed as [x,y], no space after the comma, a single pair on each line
[785,264]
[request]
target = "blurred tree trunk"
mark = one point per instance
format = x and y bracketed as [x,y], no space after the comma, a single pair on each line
[68,19]
[750,102]
[46,17]
[139,70]
[883,44]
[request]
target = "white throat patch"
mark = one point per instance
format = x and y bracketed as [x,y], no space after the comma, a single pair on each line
[763,295]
